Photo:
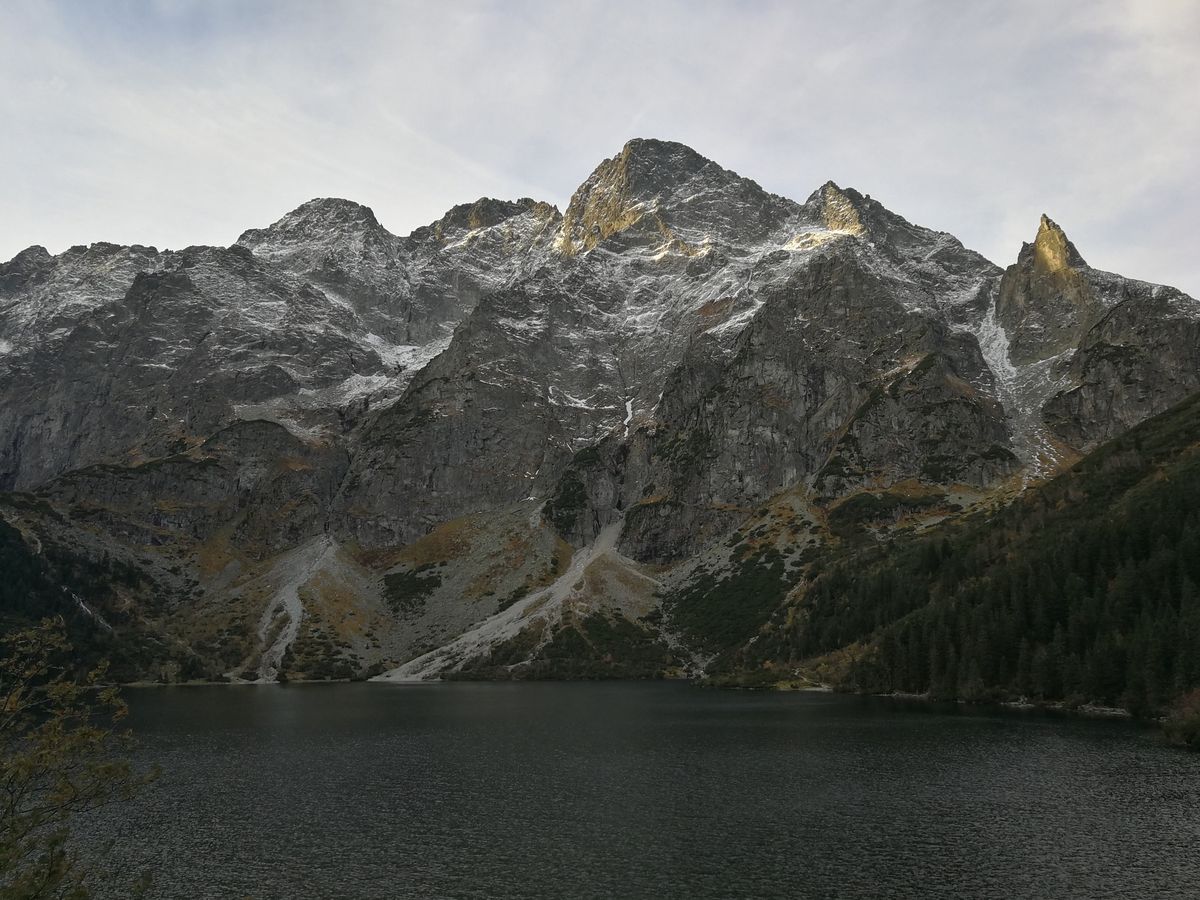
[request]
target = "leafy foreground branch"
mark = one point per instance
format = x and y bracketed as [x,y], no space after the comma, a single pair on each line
[62,755]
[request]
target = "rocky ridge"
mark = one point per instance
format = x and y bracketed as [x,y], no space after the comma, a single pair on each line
[515,434]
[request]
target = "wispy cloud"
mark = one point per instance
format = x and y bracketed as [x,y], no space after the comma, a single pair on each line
[184,122]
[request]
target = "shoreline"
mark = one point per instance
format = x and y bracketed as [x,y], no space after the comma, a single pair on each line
[1089,710]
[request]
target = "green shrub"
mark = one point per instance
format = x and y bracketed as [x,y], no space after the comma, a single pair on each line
[407,589]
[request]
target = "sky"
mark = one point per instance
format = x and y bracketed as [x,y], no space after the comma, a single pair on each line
[173,123]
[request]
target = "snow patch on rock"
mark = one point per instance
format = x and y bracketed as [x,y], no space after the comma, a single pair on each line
[1022,390]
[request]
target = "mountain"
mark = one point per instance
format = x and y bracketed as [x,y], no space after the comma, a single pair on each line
[525,443]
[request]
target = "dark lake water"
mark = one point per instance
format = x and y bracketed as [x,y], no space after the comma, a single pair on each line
[646,790]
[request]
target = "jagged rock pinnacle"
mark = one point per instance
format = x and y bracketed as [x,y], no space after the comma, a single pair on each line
[1052,250]
[838,209]
[1045,298]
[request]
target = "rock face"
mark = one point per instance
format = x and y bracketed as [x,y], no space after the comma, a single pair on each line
[1046,299]
[351,447]
[1140,359]
[182,352]
[269,489]
[299,323]
[662,192]
[1111,351]
[883,396]
[669,265]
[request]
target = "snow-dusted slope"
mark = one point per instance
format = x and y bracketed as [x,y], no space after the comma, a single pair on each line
[114,354]
[675,349]
[661,254]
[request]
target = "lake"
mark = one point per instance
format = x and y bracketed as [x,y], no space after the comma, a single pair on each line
[645,790]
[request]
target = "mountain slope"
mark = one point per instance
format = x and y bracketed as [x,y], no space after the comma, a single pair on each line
[514,442]
[1085,589]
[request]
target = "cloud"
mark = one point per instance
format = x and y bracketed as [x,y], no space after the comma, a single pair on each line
[175,123]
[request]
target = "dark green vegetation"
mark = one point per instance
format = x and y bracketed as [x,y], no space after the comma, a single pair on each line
[52,580]
[848,518]
[720,612]
[318,655]
[35,585]
[407,589]
[1084,590]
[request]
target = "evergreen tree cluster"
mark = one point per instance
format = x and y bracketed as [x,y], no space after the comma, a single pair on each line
[1087,589]
[50,580]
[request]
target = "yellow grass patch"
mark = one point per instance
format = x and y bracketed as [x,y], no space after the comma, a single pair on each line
[447,541]
[215,554]
[294,464]
[337,604]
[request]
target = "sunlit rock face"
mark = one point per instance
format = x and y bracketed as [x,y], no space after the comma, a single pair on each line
[1046,299]
[667,192]
[303,420]
[666,265]
[1110,351]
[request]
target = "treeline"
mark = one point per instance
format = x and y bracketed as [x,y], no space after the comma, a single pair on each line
[51,580]
[1085,590]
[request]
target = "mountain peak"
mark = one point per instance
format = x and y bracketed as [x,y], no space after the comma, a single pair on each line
[1052,250]
[24,267]
[32,255]
[318,217]
[654,156]
[838,209]
[1046,299]
[682,193]
[334,209]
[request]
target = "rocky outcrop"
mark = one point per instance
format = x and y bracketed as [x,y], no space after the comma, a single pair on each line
[485,212]
[270,489]
[1108,351]
[1139,360]
[1047,300]
[663,191]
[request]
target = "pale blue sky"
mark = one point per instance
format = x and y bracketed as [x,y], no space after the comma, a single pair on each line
[172,123]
